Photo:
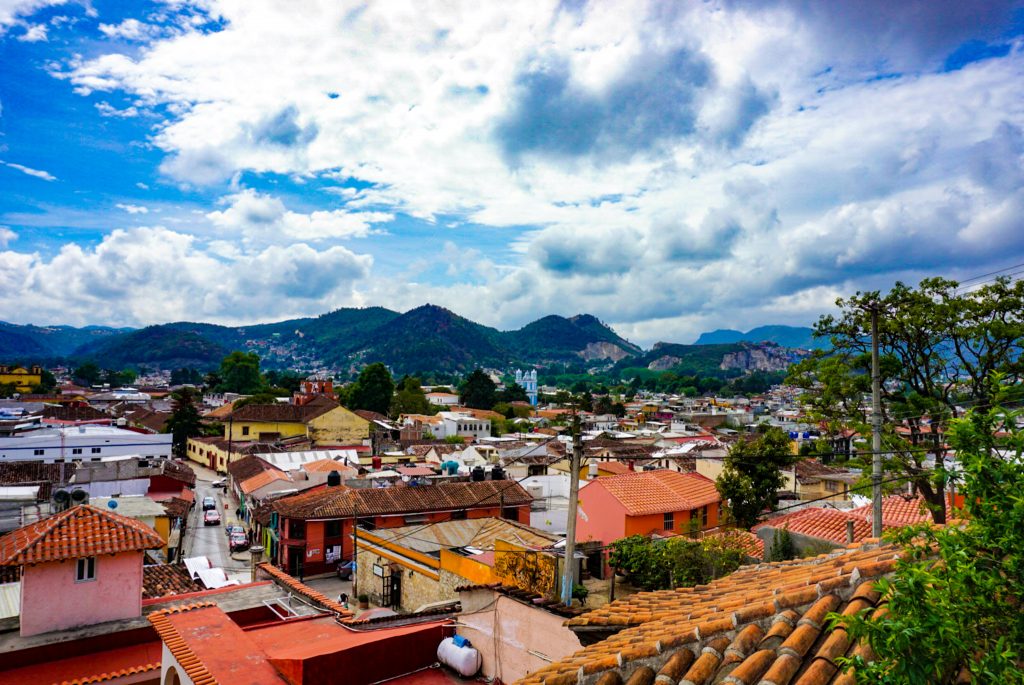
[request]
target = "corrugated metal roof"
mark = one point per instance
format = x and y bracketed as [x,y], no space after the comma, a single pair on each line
[10,600]
[480,533]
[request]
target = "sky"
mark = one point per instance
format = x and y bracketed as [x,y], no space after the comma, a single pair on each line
[670,167]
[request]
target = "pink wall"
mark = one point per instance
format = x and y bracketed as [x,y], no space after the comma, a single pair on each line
[512,630]
[52,600]
[600,517]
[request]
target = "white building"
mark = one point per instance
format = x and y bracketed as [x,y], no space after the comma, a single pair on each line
[443,399]
[83,443]
[464,425]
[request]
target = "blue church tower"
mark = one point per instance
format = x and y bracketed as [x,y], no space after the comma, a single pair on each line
[528,381]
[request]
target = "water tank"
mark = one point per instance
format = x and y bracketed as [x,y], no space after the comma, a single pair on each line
[79,496]
[333,479]
[497,473]
[377,462]
[478,474]
[459,655]
[592,470]
[450,467]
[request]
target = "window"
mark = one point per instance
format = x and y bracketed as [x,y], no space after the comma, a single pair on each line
[831,486]
[38,453]
[85,569]
[297,529]
[96,450]
[669,521]
[332,529]
[77,450]
[245,430]
[704,517]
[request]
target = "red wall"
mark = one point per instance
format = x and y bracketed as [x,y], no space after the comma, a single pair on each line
[600,516]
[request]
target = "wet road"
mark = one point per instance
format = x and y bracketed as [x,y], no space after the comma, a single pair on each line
[211,541]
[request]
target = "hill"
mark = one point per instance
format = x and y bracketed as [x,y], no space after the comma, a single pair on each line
[683,360]
[49,341]
[786,336]
[558,339]
[169,346]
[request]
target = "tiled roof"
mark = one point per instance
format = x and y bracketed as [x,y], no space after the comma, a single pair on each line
[179,471]
[338,502]
[82,531]
[613,467]
[153,420]
[285,413]
[898,510]
[306,591]
[526,597]
[164,580]
[811,470]
[247,467]
[62,412]
[657,492]
[177,507]
[263,478]
[822,523]
[46,476]
[743,540]
[765,623]
[328,465]
[370,415]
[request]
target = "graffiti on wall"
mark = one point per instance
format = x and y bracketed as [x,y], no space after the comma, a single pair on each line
[525,569]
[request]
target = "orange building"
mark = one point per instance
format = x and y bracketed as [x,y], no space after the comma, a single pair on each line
[645,502]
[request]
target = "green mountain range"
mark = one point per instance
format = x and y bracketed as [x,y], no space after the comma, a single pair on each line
[787,336]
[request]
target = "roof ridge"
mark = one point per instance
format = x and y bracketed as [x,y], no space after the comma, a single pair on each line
[194,668]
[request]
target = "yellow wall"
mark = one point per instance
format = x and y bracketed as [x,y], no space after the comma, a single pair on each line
[21,379]
[339,426]
[464,567]
[162,526]
[197,451]
[236,430]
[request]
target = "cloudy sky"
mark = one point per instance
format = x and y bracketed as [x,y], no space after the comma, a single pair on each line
[671,167]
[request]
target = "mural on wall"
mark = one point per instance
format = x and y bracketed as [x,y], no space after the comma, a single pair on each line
[525,569]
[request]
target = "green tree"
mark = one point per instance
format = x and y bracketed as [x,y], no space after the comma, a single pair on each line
[410,398]
[512,392]
[752,475]
[478,392]
[939,345]
[783,548]
[454,440]
[954,601]
[8,390]
[373,390]
[185,421]
[87,374]
[673,562]
[240,372]
[261,397]
[47,383]
[186,376]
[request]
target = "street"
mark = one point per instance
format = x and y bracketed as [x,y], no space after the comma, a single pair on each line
[211,541]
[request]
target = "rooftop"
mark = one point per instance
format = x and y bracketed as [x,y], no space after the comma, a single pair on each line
[658,492]
[477,533]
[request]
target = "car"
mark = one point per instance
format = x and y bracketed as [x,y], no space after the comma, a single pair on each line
[239,542]
[345,570]
[211,518]
[209,503]
[233,529]
[221,484]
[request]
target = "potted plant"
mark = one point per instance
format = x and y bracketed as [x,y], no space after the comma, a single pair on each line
[364,601]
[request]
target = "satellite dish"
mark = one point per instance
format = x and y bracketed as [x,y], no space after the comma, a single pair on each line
[61,496]
[112,504]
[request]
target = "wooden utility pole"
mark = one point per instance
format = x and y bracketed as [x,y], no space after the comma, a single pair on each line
[876,429]
[569,572]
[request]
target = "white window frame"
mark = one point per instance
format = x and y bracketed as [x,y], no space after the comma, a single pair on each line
[85,569]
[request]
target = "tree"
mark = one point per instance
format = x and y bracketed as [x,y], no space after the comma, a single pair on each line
[752,475]
[478,392]
[240,373]
[186,376]
[47,383]
[184,422]
[512,393]
[410,398]
[87,374]
[262,397]
[285,380]
[954,601]
[673,562]
[373,390]
[939,345]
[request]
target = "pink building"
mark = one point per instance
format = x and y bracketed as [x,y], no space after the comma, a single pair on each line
[80,567]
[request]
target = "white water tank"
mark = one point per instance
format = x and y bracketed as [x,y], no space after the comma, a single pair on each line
[464,660]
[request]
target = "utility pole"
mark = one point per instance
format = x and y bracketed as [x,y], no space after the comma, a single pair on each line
[876,428]
[569,572]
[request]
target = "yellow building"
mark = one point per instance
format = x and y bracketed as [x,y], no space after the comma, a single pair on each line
[321,420]
[21,378]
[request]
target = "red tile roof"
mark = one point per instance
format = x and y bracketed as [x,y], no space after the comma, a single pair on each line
[342,502]
[658,492]
[898,510]
[285,413]
[822,523]
[82,531]
[165,580]
[262,479]
[319,598]
[765,623]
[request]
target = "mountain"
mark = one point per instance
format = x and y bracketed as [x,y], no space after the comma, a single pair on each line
[424,339]
[683,360]
[786,336]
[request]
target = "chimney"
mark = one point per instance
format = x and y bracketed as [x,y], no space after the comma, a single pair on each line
[333,479]
[592,471]
[849,531]
[256,552]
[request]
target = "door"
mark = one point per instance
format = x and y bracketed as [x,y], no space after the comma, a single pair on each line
[391,590]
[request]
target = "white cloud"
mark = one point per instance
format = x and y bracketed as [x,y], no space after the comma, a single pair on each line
[133,209]
[13,11]
[676,165]
[156,275]
[7,236]
[129,29]
[107,110]
[34,33]
[37,173]
[263,219]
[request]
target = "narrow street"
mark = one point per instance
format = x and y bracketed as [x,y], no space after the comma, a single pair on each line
[211,541]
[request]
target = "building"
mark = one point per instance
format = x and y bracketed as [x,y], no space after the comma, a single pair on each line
[410,568]
[313,530]
[88,553]
[21,378]
[765,623]
[643,502]
[528,382]
[807,479]
[464,425]
[83,443]
[443,399]
[321,421]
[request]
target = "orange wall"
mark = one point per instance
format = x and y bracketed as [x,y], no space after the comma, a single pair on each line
[464,567]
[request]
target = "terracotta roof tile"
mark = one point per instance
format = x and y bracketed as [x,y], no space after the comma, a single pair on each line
[262,479]
[82,531]
[285,413]
[306,591]
[165,580]
[765,623]
[657,492]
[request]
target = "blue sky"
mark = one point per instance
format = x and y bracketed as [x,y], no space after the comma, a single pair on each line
[669,167]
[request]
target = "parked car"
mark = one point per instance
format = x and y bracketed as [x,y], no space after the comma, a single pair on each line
[234,529]
[345,570]
[221,484]
[239,542]
[211,518]
[209,503]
